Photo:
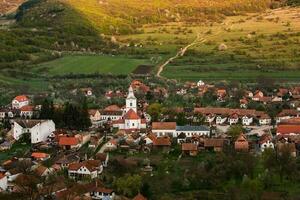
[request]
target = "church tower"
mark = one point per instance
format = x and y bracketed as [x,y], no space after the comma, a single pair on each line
[131,101]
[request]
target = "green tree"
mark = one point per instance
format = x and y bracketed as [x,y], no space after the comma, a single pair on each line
[235,130]
[155,110]
[128,185]
[280,163]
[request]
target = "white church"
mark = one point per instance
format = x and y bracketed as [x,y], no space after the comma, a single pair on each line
[130,121]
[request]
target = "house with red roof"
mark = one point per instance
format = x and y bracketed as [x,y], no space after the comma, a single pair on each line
[189,149]
[68,142]
[286,114]
[27,111]
[86,169]
[288,129]
[20,101]
[161,129]
[265,142]
[241,143]
[40,156]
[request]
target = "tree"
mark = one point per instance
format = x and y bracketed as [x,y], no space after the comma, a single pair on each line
[128,185]
[281,163]
[155,110]
[47,110]
[235,130]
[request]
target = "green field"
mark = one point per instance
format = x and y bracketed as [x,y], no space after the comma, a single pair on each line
[88,64]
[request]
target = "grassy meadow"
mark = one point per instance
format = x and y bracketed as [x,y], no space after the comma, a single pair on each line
[88,64]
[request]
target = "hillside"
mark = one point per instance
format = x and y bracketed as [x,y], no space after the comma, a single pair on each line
[143,31]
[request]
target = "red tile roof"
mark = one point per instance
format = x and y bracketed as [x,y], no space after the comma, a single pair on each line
[131,114]
[288,129]
[38,155]
[160,141]
[64,140]
[189,147]
[27,108]
[163,125]
[112,108]
[21,98]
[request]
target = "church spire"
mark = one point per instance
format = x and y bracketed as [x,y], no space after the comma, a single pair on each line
[131,102]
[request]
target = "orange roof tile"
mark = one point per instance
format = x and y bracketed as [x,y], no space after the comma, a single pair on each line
[288,129]
[131,114]
[139,197]
[27,108]
[21,98]
[163,125]
[64,140]
[39,155]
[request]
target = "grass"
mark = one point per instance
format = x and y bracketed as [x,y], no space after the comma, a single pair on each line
[88,64]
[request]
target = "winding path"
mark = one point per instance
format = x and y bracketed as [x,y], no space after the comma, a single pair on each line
[182,51]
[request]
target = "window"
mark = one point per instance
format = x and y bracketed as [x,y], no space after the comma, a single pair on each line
[130,104]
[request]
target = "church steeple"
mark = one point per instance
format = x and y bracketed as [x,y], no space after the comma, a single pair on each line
[131,100]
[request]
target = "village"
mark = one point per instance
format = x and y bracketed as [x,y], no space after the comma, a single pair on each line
[68,152]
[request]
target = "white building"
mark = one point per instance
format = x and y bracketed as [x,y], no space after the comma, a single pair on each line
[221,119]
[27,112]
[247,120]
[39,130]
[161,129]
[87,169]
[200,83]
[266,142]
[190,131]
[19,101]
[3,182]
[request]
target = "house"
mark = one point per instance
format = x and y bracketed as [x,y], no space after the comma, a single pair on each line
[95,115]
[139,196]
[257,95]
[160,142]
[233,119]
[190,131]
[200,83]
[161,129]
[221,119]
[65,160]
[221,94]
[19,101]
[3,182]
[27,111]
[288,129]
[286,114]
[264,119]
[215,144]
[112,144]
[39,130]
[243,103]
[102,193]
[69,142]
[265,142]
[104,157]
[241,143]
[86,169]
[40,156]
[247,120]
[189,149]
[43,171]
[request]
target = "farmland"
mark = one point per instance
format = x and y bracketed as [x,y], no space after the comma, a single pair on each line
[88,64]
